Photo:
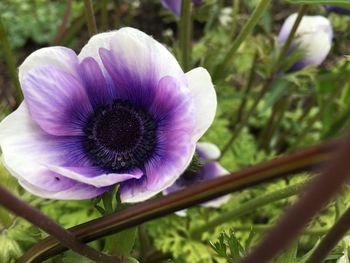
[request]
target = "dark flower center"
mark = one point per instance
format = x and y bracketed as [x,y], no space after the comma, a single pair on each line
[120,136]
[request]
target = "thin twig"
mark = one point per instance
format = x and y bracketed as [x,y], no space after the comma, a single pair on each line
[316,195]
[332,238]
[66,238]
[61,29]
[10,62]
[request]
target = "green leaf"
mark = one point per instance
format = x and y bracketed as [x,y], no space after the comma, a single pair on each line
[121,243]
[289,256]
[340,3]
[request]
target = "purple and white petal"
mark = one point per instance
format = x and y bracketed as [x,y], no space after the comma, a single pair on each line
[204,96]
[337,9]
[28,151]
[97,85]
[60,58]
[314,35]
[160,172]
[57,100]
[75,192]
[136,63]
[207,151]
[173,5]
[94,176]
[211,171]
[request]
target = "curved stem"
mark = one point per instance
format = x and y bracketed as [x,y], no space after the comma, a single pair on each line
[197,194]
[332,238]
[66,238]
[90,17]
[321,190]
[247,29]
[248,207]
[186,34]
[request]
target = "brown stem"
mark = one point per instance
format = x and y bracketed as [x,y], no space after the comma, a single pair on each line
[33,215]
[61,29]
[155,208]
[317,194]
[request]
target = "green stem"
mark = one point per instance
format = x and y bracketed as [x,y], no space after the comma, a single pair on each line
[186,34]
[235,11]
[104,16]
[285,134]
[284,50]
[10,62]
[332,238]
[333,95]
[90,17]
[116,16]
[245,120]
[247,29]
[246,92]
[5,218]
[268,81]
[263,228]
[279,110]
[248,207]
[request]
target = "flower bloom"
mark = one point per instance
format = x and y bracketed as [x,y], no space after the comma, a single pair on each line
[337,9]
[175,5]
[314,36]
[208,169]
[122,111]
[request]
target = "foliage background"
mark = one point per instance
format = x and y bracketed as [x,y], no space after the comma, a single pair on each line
[32,24]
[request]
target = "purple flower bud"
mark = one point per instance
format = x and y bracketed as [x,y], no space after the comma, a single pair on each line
[121,112]
[175,5]
[337,9]
[314,36]
[208,169]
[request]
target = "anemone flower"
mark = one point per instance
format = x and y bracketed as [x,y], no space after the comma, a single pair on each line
[121,112]
[314,36]
[337,9]
[175,5]
[202,169]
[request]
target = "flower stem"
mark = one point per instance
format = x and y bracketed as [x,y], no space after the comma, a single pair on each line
[10,62]
[62,27]
[333,95]
[278,111]
[155,208]
[332,238]
[247,207]
[283,52]
[247,29]
[268,81]
[246,117]
[33,215]
[316,195]
[235,10]
[104,16]
[285,134]
[90,17]
[246,91]
[185,34]
[263,228]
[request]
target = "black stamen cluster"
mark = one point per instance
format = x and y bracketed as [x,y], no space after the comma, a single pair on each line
[120,136]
